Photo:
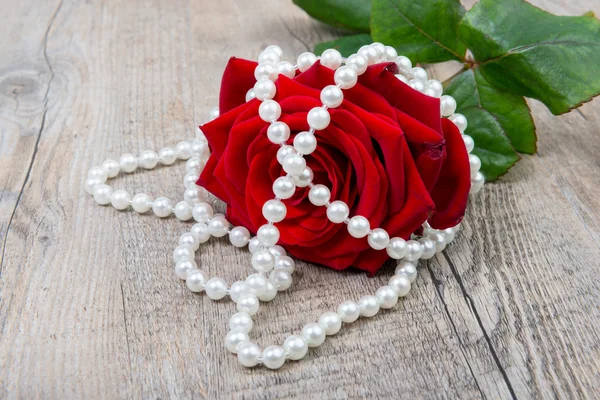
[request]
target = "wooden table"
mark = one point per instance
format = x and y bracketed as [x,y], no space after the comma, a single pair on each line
[89,304]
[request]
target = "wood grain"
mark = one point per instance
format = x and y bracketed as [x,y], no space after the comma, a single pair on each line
[90,308]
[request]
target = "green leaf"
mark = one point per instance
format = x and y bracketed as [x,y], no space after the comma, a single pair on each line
[346,45]
[530,52]
[424,31]
[491,143]
[350,14]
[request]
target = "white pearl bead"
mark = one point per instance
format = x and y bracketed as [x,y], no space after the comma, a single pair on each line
[189,239]
[475,164]
[202,212]
[141,203]
[295,346]
[248,303]
[284,151]
[402,78]
[294,164]
[370,54]
[268,235]
[199,148]
[319,195]
[91,183]
[414,250]
[111,168]
[236,289]
[314,334]
[331,58]
[241,321]
[286,68]
[284,187]
[407,269]
[183,211]
[380,48]
[397,248]
[435,87]
[215,288]
[285,263]
[387,296]
[358,62]
[162,207]
[404,65]
[359,226]
[189,180]
[201,231]
[419,74]
[102,194]
[167,156]
[278,132]
[390,54]
[428,248]
[459,120]
[281,279]
[195,280]
[349,311]
[332,96]
[268,57]
[273,357]
[148,159]
[417,85]
[401,283]
[345,77]
[239,236]
[254,245]
[194,164]
[277,251]
[449,234]
[97,172]
[369,305]
[305,179]
[477,183]
[331,322]
[266,72]
[269,110]
[213,113]
[378,239]
[248,354]
[447,105]
[275,49]
[183,149]
[269,293]
[183,253]
[250,94]
[120,199]
[439,240]
[194,194]
[469,143]
[218,226]
[183,266]
[305,143]
[274,211]
[305,61]
[337,212]
[264,89]
[128,163]
[318,118]
[234,338]
[263,261]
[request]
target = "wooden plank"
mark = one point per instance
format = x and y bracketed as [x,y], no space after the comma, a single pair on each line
[90,307]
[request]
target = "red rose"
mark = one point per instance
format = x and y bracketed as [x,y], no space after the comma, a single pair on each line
[387,153]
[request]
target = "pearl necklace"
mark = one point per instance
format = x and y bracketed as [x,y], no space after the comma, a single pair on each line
[272,265]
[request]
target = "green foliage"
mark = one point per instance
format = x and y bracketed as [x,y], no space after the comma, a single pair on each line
[535,54]
[350,14]
[518,51]
[345,45]
[424,31]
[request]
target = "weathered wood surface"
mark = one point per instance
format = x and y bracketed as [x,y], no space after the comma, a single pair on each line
[90,308]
